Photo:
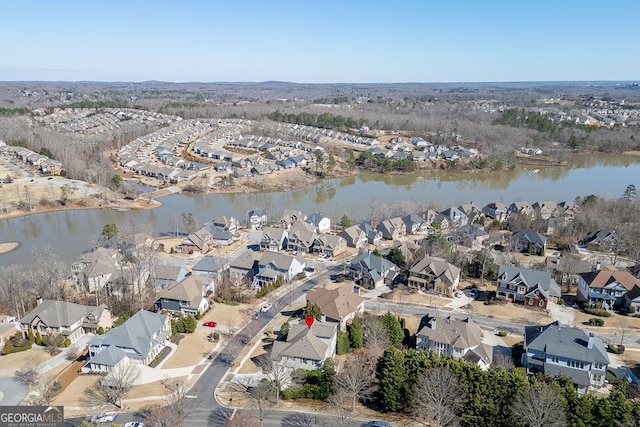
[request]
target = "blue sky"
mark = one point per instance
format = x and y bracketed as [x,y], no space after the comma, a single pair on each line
[322,41]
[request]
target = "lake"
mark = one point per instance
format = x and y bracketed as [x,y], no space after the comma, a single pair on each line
[362,196]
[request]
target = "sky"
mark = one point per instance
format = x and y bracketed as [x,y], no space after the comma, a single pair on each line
[328,41]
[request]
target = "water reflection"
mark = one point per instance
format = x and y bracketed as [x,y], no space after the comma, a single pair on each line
[71,232]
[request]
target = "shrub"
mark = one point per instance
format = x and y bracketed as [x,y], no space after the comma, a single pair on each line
[100,330]
[66,342]
[343,345]
[296,391]
[502,333]
[617,349]
[597,312]
[594,321]
[216,336]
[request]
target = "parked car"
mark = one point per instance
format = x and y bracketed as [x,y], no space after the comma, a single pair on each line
[210,324]
[309,269]
[459,294]
[266,308]
[257,315]
[106,417]
[134,424]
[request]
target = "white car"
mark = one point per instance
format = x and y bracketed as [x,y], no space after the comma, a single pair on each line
[459,294]
[266,308]
[107,417]
[134,424]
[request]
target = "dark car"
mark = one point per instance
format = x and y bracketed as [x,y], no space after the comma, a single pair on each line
[376,424]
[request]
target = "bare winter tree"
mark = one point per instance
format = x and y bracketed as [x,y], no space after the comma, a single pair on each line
[356,380]
[340,407]
[242,419]
[29,373]
[540,406]
[262,399]
[439,397]
[162,416]
[376,337]
[111,389]
[177,399]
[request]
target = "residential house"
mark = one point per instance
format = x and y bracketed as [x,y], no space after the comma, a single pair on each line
[166,275]
[354,237]
[521,208]
[94,271]
[495,211]
[243,266]
[274,265]
[545,209]
[300,237]
[137,241]
[372,270]
[471,236]
[329,244]
[533,288]
[556,349]
[434,275]
[66,318]
[226,223]
[461,339]
[374,236]
[603,241]
[474,213]
[273,239]
[201,240]
[605,287]
[565,269]
[139,339]
[306,347]
[454,218]
[338,305]
[257,218]
[392,229]
[529,242]
[289,217]
[321,223]
[220,236]
[189,296]
[211,266]
[415,224]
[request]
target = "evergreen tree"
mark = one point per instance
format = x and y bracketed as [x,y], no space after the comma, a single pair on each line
[38,338]
[32,339]
[342,346]
[394,330]
[391,380]
[313,309]
[345,221]
[355,333]
[190,324]
[396,257]
[325,384]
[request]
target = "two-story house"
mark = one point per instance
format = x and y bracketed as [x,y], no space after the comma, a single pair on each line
[329,244]
[8,328]
[528,241]
[164,275]
[306,347]
[273,238]
[257,218]
[338,305]
[211,266]
[226,223]
[461,339]
[415,224]
[556,349]
[371,270]
[605,287]
[189,296]
[274,265]
[66,318]
[139,339]
[320,223]
[451,217]
[300,237]
[521,208]
[434,274]
[545,209]
[374,236]
[392,229]
[533,288]
[354,237]
[603,241]
[496,211]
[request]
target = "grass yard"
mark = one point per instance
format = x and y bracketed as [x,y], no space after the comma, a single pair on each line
[191,349]
[511,312]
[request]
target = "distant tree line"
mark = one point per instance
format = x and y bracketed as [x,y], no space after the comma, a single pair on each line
[324,120]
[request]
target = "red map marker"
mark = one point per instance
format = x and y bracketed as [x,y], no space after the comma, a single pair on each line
[309,321]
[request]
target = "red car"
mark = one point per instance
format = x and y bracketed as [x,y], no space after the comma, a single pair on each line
[210,324]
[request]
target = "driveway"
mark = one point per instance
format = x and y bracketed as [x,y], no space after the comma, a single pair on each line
[12,391]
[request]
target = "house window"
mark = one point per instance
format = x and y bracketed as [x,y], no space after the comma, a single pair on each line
[541,303]
[530,301]
[597,378]
[575,364]
[598,366]
[555,359]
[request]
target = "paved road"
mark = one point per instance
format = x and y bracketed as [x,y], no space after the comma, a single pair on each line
[12,391]
[210,412]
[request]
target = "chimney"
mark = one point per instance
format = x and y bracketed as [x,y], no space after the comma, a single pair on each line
[432,323]
[39,300]
[590,342]
[598,266]
[356,290]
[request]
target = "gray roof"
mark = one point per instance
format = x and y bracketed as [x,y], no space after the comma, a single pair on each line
[58,314]
[531,278]
[464,333]
[110,356]
[209,264]
[167,272]
[136,333]
[373,262]
[562,341]
[305,342]
[529,235]
[438,267]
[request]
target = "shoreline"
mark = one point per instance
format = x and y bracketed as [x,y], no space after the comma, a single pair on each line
[7,247]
